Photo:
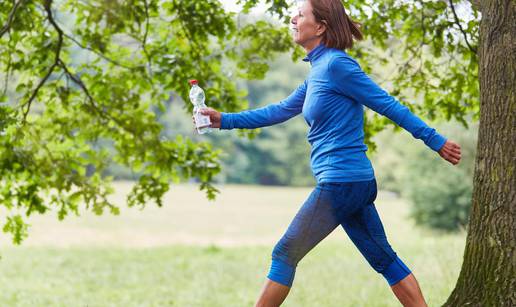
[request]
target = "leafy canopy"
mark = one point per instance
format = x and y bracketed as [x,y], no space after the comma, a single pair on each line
[79,77]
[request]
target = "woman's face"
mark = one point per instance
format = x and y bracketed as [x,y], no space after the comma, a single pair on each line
[307,32]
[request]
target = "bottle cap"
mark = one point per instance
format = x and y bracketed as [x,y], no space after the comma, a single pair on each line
[193,81]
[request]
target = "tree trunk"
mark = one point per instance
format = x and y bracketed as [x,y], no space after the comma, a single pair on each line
[488,275]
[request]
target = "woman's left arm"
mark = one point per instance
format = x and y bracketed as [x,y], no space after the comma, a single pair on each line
[350,80]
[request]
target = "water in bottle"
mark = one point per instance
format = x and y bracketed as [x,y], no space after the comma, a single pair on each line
[202,122]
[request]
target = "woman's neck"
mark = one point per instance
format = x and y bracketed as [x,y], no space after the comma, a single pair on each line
[311,45]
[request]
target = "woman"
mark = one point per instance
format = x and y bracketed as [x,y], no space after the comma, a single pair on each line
[331,100]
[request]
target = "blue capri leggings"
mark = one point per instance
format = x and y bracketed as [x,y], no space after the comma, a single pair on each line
[349,204]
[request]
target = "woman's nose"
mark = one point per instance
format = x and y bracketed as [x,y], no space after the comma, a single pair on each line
[293,20]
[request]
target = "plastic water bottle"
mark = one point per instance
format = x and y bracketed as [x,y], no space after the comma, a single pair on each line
[202,122]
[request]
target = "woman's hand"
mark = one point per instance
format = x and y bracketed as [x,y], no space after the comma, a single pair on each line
[450,152]
[214,116]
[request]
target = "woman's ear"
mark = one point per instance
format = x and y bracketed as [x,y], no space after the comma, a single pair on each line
[321,27]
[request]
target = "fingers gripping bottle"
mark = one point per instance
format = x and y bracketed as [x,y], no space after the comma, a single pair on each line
[202,122]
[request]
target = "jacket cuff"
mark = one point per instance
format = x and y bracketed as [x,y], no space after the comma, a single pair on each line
[226,121]
[436,142]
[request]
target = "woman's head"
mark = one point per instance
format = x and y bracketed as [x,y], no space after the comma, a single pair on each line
[324,21]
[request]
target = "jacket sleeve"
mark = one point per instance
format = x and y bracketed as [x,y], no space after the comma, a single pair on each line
[348,79]
[269,115]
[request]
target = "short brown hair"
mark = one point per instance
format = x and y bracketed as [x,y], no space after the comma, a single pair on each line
[340,29]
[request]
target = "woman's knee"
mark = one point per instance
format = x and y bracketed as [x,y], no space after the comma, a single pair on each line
[285,251]
[284,263]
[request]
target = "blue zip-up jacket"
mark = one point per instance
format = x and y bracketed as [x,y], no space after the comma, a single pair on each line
[331,100]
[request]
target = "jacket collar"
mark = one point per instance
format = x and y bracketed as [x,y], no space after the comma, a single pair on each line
[315,53]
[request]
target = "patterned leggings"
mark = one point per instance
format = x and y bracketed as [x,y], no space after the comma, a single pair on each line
[349,204]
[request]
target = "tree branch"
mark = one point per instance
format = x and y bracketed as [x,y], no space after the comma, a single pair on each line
[102,55]
[144,42]
[48,9]
[7,72]
[73,39]
[10,18]
[457,21]
[77,80]
[74,78]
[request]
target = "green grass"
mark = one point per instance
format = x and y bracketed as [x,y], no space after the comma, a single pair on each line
[193,252]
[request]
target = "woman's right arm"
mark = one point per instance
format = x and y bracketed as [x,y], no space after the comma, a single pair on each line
[266,116]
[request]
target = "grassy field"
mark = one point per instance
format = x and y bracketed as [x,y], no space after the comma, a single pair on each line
[193,252]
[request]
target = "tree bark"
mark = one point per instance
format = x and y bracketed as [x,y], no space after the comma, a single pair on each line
[488,274]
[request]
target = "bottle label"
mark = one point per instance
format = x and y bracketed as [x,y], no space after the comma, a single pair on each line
[201,120]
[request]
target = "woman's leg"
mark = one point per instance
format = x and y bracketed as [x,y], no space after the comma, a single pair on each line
[315,220]
[365,230]
[273,294]
[408,292]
